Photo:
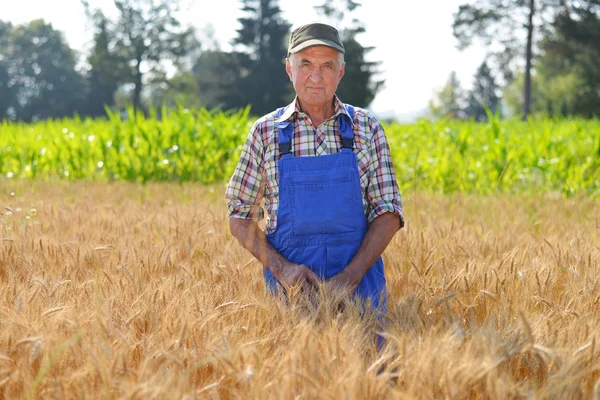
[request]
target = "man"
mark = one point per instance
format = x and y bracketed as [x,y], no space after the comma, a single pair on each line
[325,173]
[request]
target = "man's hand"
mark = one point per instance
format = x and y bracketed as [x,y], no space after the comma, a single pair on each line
[288,273]
[292,274]
[343,281]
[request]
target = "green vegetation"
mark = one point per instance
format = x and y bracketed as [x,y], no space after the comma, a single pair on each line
[178,146]
[541,155]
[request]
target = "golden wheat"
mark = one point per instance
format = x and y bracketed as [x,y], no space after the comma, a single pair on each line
[125,291]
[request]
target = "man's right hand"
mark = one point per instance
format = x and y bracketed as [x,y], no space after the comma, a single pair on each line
[291,274]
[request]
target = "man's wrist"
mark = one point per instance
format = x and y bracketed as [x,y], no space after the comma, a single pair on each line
[277,265]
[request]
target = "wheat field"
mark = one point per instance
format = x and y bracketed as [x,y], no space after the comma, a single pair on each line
[140,292]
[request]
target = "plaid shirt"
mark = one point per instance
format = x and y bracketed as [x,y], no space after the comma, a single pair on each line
[256,175]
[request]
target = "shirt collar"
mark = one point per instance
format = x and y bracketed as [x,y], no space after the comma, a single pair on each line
[293,109]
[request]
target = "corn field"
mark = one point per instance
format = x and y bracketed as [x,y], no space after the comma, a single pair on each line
[561,156]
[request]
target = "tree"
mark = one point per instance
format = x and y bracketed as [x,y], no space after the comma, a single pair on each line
[217,74]
[447,103]
[180,90]
[145,35]
[359,85]
[499,21]
[6,93]
[261,44]
[211,83]
[552,95]
[41,69]
[566,80]
[107,68]
[6,96]
[570,54]
[484,93]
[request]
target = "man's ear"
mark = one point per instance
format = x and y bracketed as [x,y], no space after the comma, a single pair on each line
[288,67]
[342,72]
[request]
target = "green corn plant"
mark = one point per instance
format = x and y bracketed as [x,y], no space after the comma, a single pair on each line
[498,156]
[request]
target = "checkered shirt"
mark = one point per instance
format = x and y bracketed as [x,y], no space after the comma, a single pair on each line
[256,176]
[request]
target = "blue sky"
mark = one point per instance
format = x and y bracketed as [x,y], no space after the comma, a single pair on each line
[413,39]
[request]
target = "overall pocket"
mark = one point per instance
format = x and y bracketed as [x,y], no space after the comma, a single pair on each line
[323,204]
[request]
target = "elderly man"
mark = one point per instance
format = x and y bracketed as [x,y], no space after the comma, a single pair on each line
[324,171]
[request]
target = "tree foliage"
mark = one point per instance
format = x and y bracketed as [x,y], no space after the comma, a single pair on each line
[572,53]
[566,80]
[37,73]
[512,28]
[217,74]
[145,35]
[261,49]
[483,96]
[6,91]
[107,68]
[499,23]
[448,102]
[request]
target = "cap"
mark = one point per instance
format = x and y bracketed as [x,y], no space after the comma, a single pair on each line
[310,35]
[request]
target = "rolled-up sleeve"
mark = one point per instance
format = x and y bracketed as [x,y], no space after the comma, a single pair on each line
[245,189]
[383,194]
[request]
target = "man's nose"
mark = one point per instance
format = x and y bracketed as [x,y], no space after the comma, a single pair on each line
[315,75]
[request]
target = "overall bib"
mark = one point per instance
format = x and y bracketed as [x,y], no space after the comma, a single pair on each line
[321,222]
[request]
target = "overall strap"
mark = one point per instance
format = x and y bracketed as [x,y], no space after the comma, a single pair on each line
[345,127]
[285,131]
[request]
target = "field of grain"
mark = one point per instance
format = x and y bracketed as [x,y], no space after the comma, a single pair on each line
[128,291]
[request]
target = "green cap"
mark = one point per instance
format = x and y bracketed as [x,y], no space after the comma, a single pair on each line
[310,35]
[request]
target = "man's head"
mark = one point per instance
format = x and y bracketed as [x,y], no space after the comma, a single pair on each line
[315,63]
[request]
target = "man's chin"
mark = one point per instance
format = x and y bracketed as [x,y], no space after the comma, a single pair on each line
[315,98]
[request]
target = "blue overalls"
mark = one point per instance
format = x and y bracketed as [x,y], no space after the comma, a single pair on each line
[321,222]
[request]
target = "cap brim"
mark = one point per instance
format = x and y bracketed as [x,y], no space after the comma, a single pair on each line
[316,42]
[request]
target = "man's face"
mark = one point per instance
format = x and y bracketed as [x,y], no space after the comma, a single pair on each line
[315,73]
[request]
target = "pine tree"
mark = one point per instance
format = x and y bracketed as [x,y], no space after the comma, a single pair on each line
[263,82]
[484,93]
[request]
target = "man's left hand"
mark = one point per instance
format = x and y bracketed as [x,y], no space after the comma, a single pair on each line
[343,281]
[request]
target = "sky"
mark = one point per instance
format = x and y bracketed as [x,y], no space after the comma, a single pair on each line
[412,39]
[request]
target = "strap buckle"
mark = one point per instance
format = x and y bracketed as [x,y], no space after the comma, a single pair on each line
[285,148]
[347,143]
